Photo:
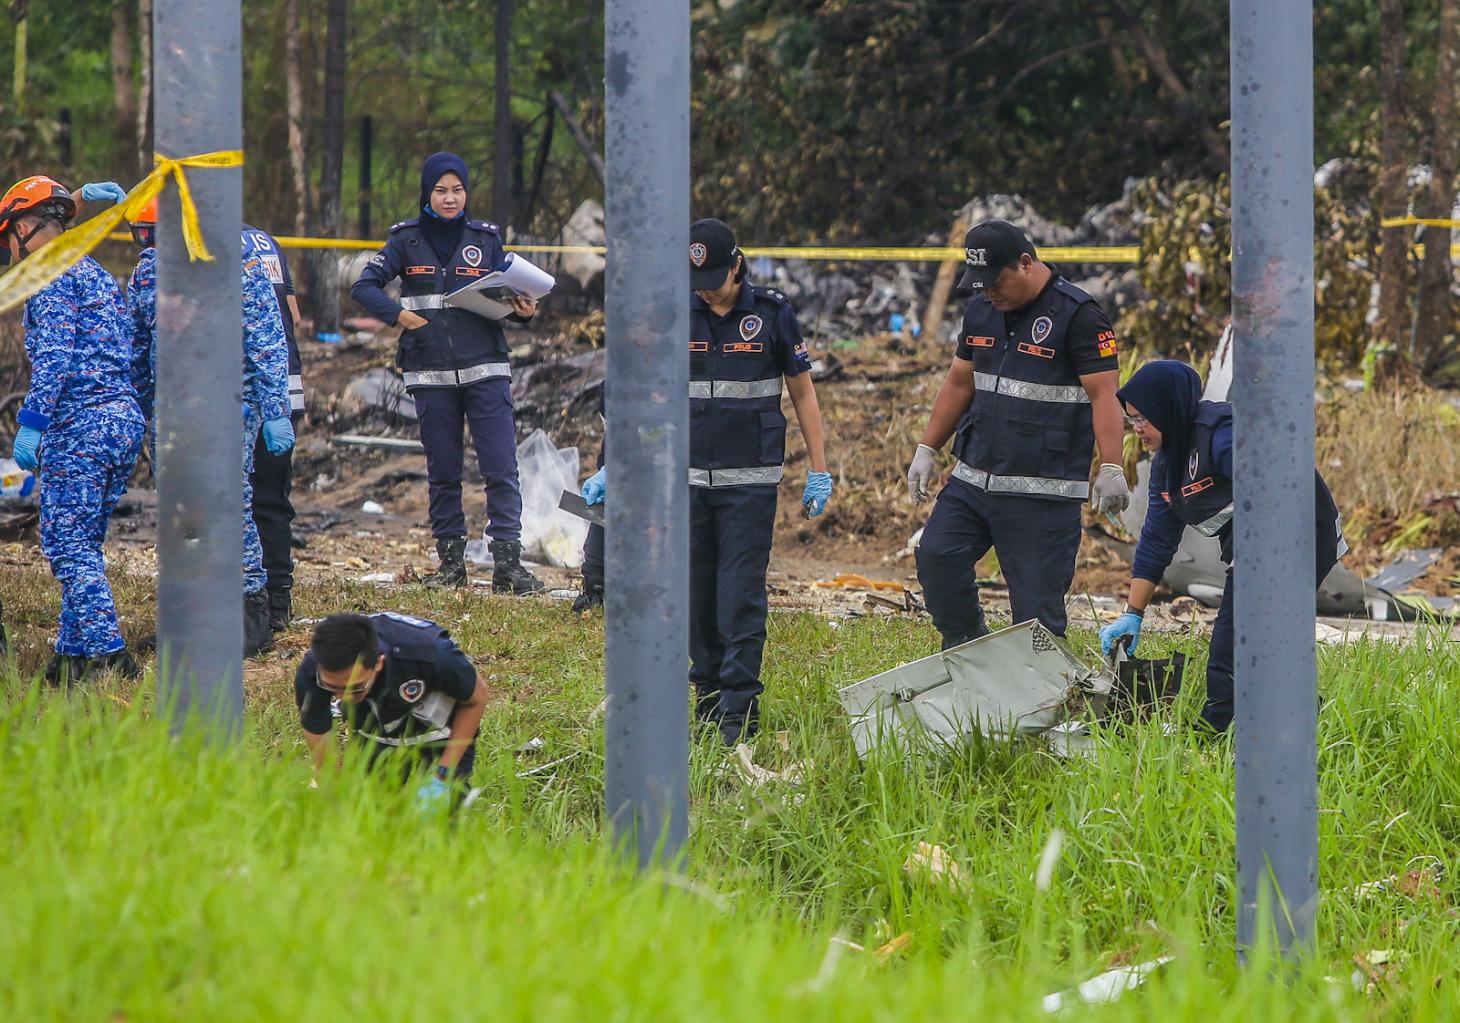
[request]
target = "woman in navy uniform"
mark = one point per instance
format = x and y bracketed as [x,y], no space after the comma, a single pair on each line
[1191,485]
[455,368]
[744,341]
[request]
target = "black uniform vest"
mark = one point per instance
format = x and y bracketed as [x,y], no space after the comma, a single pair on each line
[453,339]
[737,432]
[404,707]
[1029,430]
[1204,499]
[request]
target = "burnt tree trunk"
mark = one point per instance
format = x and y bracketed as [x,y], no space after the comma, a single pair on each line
[1433,318]
[331,170]
[294,89]
[502,134]
[1393,179]
[144,85]
[124,94]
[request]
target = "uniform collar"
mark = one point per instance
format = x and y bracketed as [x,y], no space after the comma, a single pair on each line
[744,302]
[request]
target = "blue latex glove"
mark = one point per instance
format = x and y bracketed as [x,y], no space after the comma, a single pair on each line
[110,190]
[595,486]
[817,493]
[434,795]
[27,453]
[279,435]
[1128,624]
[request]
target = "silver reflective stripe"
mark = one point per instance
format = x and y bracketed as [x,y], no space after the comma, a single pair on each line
[1074,395]
[735,388]
[1036,485]
[296,392]
[735,477]
[430,378]
[482,372]
[415,303]
[1213,525]
[414,740]
[455,377]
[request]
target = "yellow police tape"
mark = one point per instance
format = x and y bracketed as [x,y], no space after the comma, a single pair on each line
[36,271]
[1416,221]
[926,254]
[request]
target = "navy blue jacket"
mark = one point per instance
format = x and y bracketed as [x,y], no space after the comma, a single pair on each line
[1204,502]
[453,339]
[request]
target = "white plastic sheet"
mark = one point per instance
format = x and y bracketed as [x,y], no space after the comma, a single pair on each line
[549,534]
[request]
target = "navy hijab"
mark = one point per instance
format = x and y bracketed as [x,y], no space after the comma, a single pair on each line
[1167,393]
[444,236]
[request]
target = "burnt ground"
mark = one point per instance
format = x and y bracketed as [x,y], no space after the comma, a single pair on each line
[875,394]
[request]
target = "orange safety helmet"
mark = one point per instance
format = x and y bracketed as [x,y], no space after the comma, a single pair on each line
[148,214]
[144,225]
[32,194]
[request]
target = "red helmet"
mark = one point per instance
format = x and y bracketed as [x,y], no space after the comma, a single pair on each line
[35,194]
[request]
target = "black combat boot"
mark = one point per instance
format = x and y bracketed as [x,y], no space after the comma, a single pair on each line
[257,636]
[589,598]
[281,608]
[65,669]
[738,728]
[119,661]
[707,705]
[452,552]
[508,573]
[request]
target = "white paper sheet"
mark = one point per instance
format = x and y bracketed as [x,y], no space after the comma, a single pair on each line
[491,295]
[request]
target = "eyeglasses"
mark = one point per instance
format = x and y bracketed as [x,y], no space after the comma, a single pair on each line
[1136,422]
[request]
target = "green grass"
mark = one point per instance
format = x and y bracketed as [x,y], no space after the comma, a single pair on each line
[147,879]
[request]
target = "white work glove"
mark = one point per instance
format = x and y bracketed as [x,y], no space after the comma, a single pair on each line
[920,474]
[1110,495]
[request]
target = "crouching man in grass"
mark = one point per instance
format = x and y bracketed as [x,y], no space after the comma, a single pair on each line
[406,691]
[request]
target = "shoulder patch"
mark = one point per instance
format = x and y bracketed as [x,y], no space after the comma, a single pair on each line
[396,616]
[403,225]
[1067,289]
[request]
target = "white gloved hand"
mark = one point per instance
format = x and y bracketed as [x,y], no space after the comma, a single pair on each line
[1110,495]
[920,474]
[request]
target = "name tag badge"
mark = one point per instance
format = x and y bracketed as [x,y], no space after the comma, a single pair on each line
[699,346]
[418,271]
[742,347]
[978,341]
[1037,351]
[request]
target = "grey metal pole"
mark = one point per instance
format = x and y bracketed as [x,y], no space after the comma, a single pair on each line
[646,730]
[200,371]
[1272,313]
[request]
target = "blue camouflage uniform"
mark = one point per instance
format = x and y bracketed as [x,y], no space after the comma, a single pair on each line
[81,399]
[265,376]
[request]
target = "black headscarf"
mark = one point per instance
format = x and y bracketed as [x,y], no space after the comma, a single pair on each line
[1167,393]
[444,236]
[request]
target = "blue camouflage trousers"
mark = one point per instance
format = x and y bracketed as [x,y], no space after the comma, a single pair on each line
[254,576]
[85,465]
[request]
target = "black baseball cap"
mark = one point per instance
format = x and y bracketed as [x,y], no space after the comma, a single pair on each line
[712,253]
[988,248]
